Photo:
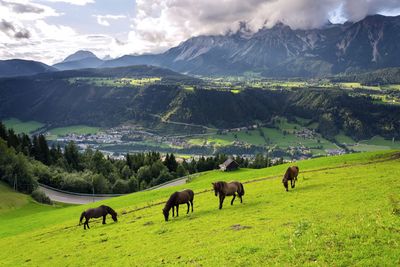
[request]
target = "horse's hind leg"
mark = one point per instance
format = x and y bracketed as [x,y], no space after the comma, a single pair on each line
[177,210]
[241,200]
[292,183]
[173,211]
[188,207]
[234,196]
[191,203]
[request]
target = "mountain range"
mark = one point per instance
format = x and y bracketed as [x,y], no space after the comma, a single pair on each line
[369,44]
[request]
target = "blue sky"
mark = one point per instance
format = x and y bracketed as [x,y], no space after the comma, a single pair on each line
[50,30]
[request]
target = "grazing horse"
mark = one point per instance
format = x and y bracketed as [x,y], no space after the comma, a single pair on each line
[177,198]
[290,175]
[228,189]
[101,211]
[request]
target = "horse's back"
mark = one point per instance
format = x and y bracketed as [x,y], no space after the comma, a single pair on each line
[96,212]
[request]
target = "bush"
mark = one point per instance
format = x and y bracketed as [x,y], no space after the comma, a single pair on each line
[40,197]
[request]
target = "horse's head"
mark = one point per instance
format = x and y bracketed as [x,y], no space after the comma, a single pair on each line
[166,214]
[114,217]
[216,188]
[113,214]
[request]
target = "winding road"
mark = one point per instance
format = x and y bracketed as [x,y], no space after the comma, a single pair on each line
[75,198]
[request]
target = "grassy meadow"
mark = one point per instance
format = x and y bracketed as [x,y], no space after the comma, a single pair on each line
[344,211]
[22,126]
[76,129]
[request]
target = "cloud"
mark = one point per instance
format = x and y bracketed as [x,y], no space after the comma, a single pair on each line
[104,20]
[22,7]
[22,34]
[160,24]
[73,2]
[10,30]
[24,10]
[26,31]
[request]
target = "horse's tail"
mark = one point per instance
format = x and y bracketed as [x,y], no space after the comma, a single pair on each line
[82,215]
[241,189]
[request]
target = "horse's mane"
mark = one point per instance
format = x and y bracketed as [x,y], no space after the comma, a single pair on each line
[109,209]
[172,199]
[220,185]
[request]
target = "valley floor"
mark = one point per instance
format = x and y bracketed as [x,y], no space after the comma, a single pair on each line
[344,211]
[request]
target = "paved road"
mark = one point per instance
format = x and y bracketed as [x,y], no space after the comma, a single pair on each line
[64,197]
[68,198]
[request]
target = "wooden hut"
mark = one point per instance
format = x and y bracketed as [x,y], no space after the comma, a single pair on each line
[229,165]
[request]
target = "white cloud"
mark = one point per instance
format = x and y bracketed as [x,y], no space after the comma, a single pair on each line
[104,20]
[73,2]
[160,24]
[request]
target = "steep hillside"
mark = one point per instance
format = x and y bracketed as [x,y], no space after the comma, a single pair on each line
[343,211]
[146,94]
[19,67]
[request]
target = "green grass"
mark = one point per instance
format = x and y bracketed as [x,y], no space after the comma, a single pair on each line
[122,82]
[22,126]
[344,139]
[343,211]
[283,137]
[76,129]
[374,144]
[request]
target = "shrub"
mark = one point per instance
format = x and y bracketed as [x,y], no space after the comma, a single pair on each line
[40,197]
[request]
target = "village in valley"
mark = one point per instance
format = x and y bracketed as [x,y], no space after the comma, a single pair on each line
[302,142]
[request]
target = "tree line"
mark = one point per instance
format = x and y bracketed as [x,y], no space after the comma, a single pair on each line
[26,160]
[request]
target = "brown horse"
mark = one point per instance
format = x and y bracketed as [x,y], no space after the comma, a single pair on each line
[177,198]
[290,175]
[228,189]
[97,213]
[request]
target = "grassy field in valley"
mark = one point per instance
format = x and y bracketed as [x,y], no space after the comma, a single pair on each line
[22,126]
[344,211]
[76,129]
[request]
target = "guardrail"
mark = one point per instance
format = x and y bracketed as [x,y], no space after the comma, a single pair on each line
[116,195]
[80,194]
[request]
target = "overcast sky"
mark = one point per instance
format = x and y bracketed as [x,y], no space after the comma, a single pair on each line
[50,30]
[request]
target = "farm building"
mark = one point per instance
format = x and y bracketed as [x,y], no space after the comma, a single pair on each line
[229,165]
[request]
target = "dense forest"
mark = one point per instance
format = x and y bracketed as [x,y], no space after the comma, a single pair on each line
[377,77]
[26,161]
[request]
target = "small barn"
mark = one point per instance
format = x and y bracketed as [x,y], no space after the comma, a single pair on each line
[229,165]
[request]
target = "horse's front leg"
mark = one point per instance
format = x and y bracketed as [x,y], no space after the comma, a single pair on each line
[285,184]
[104,219]
[87,223]
[292,182]
[173,211]
[221,201]
[234,196]
[188,205]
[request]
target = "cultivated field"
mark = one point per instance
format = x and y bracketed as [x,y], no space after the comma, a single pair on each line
[344,211]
